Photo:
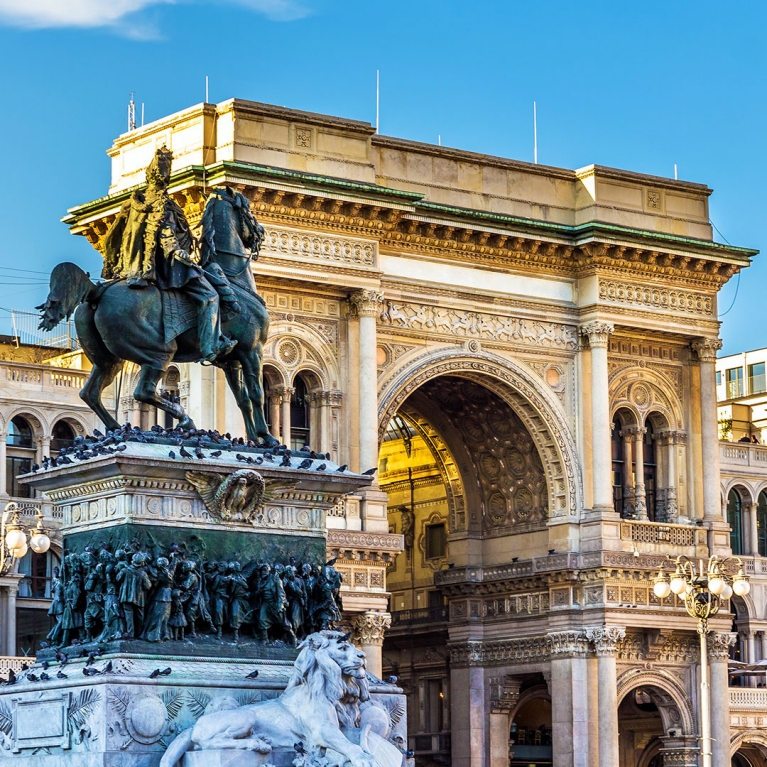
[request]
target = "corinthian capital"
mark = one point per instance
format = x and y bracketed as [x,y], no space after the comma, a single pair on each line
[605,639]
[719,645]
[598,333]
[366,302]
[369,627]
[706,348]
[566,644]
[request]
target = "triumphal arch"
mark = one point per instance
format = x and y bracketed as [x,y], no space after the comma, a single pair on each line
[526,355]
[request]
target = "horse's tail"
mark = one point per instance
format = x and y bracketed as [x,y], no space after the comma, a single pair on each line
[177,748]
[70,286]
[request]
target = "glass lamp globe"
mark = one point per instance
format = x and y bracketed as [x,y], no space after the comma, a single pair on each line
[661,589]
[15,538]
[678,584]
[741,587]
[20,551]
[716,585]
[40,543]
[727,593]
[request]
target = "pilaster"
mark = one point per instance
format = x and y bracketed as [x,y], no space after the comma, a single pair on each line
[369,628]
[719,653]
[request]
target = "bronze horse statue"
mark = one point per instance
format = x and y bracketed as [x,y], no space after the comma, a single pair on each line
[116,323]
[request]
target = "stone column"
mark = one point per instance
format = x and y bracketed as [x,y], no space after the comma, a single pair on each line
[285,393]
[3,467]
[504,696]
[274,413]
[672,508]
[751,640]
[569,699]
[12,587]
[43,447]
[601,462]
[369,628]
[640,499]
[468,722]
[368,304]
[605,642]
[753,532]
[706,349]
[628,475]
[764,644]
[718,655]
[332,422]
[316,427]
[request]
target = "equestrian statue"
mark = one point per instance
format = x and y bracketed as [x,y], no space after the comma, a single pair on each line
[167,296]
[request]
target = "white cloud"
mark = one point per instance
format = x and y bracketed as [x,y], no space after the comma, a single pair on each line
[39,14]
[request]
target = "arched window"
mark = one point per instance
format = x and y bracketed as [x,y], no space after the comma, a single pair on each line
[299,415]
[62,436]
[650,470]
[619,467]
[734,519]
[761,523]
[19,433]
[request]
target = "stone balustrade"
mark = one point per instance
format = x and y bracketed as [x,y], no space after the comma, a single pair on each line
[42,378]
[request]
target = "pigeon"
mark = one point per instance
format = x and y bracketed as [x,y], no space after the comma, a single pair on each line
[252,674]
[342,469]
[268,456]
[61,675]
[35,468]
[258,460]
[172,455]
[392,680]
[198,452]
[299,747]
[11,677]
[44,677]
[369,472]
[121,447]
[24,667]
[286,459]
[215,454]
[91,659]
[305,464]
[107,669]
[409,754]
[32,678]
[157,672]
[241,457]
[45,665]
[321,467]
[60,657]
[185,453]
[87,671]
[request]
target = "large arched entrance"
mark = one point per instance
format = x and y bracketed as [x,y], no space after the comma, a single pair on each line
[474,476]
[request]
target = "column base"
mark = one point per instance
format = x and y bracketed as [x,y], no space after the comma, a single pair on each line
[718,537]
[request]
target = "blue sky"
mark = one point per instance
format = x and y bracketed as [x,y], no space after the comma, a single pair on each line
[632,85]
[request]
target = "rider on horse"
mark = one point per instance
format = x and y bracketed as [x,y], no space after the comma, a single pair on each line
[150,242]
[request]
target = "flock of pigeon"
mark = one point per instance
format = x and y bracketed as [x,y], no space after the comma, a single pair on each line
[197,440]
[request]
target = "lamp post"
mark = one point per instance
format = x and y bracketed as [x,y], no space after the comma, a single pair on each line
[16,537]
[704,590]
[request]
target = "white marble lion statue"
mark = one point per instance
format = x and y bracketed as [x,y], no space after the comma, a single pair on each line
[328,673]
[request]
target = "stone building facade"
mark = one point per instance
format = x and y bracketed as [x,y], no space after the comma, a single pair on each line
[527,355]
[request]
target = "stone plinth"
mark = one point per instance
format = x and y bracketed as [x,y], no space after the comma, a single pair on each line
[126,719]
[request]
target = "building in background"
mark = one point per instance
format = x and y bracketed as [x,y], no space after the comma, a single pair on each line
[741,393]
[527,355]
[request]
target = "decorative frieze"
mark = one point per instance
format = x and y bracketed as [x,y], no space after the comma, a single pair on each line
[503,652]
[656,298]
[437,320]
[313,246]
[567,644]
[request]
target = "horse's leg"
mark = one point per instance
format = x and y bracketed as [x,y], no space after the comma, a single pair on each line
[146,391]
[233,373]
[252,368]
[102,374]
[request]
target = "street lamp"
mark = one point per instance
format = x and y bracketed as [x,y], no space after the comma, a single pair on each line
[16,538]
[704,590]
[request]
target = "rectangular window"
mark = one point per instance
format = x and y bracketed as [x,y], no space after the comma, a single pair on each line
[734,379]
[756,380]
[718,377]
[13,467]
[436,541]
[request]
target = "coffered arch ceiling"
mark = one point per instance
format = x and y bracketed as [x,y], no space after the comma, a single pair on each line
[493,472]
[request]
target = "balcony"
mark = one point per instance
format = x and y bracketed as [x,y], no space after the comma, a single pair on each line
[8,663]
[748,699]
[427,615]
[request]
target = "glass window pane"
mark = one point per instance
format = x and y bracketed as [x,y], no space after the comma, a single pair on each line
[756,378]
[435,541]
[734,378]
[735,522]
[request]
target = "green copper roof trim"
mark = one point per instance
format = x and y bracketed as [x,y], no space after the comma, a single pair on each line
[210,173]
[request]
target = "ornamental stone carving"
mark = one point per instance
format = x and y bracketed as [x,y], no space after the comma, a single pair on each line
[369,627]
[606,640]
[676,301]
[567,644]
[500,653]
[436,320]
[706,348]
[337,250]
[366,302]
[504,694]
[598,333]
[719,645]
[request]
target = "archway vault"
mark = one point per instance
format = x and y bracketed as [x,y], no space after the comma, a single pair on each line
[537,408]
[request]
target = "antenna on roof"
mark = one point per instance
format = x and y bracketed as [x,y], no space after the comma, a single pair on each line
[676,177]
[131,113]
[378,94]
[206,89]
[142,114]
[535,133]
[439,139]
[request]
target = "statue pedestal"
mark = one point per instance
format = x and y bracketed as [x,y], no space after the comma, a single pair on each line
[126,716]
